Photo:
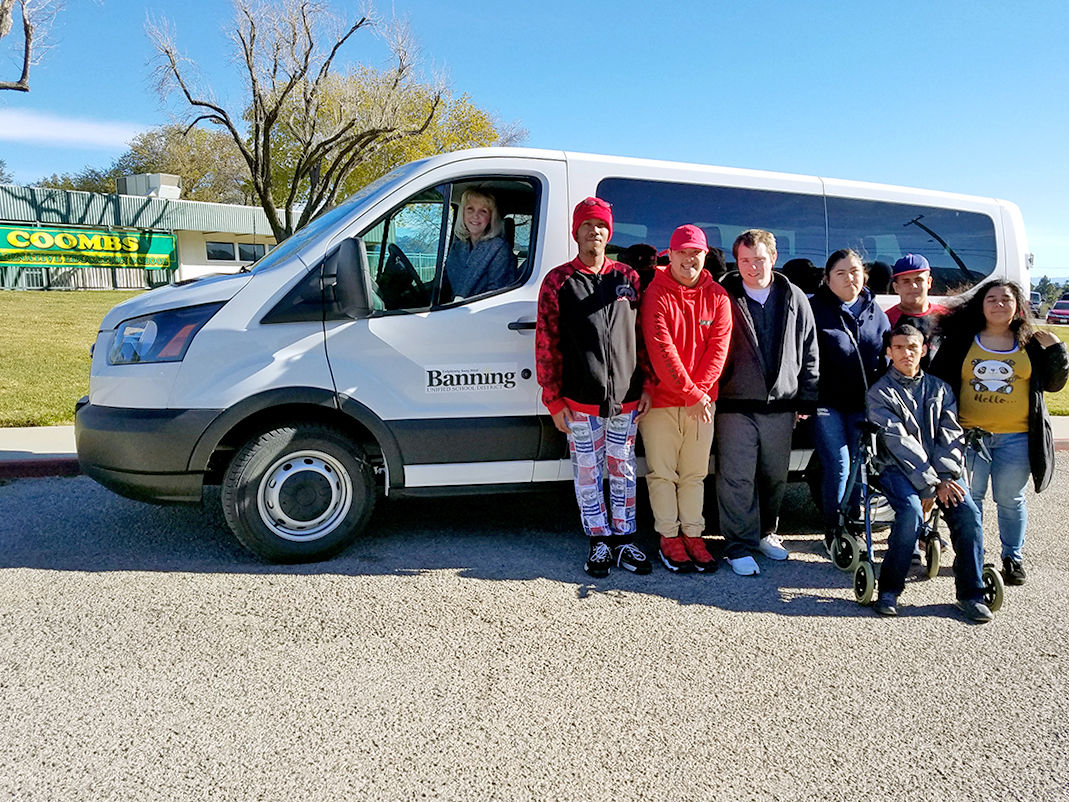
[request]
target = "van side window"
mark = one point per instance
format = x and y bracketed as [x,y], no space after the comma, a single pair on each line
[404,250]
[649,211]
[490,227]
[421,255]
[960,246]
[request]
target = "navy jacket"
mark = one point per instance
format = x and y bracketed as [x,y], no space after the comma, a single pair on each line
[851,350]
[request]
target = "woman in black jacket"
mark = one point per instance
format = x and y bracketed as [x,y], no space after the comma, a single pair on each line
[850,331]
[999,366]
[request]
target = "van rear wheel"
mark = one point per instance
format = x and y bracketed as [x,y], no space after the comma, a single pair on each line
[298,493]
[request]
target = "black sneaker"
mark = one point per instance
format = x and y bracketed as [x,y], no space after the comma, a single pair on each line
[599,560]
[632,558]
[1013,571]
[886,604]
[976,611]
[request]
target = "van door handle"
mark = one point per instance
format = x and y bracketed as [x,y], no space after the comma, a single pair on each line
[522,325]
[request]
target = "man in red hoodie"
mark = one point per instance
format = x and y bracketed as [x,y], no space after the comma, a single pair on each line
[686,322]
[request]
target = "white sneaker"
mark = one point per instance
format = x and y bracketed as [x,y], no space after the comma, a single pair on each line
[744,566]
[772,547]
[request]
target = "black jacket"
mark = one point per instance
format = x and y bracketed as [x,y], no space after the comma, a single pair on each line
[743,387]
[587,346]
[1050,368]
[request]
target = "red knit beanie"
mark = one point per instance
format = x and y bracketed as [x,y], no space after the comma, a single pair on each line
[591,209]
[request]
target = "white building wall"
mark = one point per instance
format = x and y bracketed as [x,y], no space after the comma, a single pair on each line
[192,250]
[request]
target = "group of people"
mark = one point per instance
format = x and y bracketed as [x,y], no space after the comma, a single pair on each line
[728,366]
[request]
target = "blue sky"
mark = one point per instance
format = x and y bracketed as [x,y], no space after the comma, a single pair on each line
[958,96]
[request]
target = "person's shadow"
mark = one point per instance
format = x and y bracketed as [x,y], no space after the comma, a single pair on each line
[74,524]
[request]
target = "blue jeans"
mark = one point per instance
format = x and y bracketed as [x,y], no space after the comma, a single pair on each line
[837,436]
[966,533]
[1008,472]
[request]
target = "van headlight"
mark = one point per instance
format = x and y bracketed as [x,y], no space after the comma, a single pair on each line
[160,337]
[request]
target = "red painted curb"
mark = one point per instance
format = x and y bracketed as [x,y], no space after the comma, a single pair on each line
[30,468]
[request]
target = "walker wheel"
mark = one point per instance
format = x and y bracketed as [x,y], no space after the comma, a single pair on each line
[994,588]
[864,583]
[933,553]
[845,552]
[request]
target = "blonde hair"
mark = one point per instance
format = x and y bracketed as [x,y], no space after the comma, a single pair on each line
[496,227]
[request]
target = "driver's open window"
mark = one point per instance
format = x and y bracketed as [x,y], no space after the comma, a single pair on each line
[421,255]
[404,251]
[491,253]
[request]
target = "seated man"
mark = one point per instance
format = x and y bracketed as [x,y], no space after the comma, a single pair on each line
[921,461]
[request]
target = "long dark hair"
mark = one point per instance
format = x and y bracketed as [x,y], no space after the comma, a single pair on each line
[965,317]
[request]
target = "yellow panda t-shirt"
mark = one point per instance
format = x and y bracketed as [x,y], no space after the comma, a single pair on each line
[994,389]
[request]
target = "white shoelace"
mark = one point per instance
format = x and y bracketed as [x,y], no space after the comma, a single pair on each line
[774,540]
[601,553]
[632,552]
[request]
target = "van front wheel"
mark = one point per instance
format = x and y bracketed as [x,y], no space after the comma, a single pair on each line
[298,493]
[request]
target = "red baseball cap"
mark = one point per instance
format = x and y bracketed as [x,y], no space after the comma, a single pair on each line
[688,236]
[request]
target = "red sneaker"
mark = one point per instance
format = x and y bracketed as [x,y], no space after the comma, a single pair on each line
[674,555]
[704,562]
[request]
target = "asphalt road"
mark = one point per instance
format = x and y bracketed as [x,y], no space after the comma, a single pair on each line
[459,652]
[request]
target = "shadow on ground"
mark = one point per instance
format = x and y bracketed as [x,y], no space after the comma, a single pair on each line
[74,524]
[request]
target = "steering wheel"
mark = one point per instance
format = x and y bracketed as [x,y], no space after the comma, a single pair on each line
[397,256]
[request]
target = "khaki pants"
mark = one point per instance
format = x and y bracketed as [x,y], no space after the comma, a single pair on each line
[677,461]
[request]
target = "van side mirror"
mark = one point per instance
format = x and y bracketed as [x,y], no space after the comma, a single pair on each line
[345,281]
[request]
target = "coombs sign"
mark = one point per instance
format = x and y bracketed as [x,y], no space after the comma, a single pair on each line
[30,246]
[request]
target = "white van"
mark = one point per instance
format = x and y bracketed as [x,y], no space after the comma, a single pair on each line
[341,366]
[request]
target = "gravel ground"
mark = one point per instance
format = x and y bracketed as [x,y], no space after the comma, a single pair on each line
[459,652]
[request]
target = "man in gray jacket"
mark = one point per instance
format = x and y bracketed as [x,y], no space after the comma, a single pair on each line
[920,461]
[770,378]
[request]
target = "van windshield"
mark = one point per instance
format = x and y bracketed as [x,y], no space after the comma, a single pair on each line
[282,253]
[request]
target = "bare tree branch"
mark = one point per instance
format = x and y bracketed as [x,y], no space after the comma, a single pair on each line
[303,126]
[37,17]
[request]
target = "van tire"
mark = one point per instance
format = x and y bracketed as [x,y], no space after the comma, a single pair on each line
[298,493]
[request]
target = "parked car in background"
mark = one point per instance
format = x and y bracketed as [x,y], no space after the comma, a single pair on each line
[1036,303]
[1059,313]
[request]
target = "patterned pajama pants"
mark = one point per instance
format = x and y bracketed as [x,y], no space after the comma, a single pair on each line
[596,444]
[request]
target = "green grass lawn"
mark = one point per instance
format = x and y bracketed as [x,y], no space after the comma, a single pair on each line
[1058,403]
[44,352]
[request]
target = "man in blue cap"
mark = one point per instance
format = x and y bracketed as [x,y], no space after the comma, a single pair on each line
[911,278]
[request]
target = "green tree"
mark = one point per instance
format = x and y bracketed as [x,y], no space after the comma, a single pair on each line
[88,179]
[207,161]
[1048,290]
[459,124]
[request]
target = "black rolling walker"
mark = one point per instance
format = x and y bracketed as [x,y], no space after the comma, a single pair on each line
[849,553]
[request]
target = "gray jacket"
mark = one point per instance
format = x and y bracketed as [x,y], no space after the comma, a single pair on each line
[919,430]
[742,384]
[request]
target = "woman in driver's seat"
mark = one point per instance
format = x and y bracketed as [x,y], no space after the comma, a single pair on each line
[479,259]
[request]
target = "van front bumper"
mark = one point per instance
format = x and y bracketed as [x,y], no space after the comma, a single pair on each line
[142,454]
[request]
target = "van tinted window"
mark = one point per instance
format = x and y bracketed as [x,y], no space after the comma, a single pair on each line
[960,246]
[649,211]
